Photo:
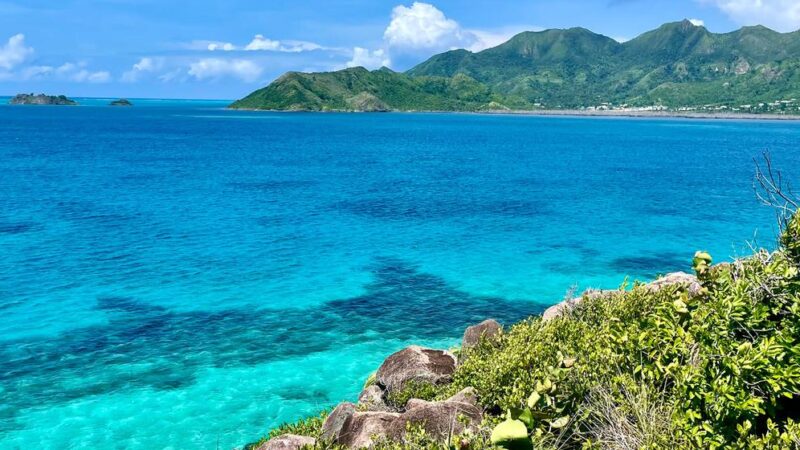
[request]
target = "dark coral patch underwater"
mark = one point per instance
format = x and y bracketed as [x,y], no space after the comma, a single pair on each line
[169,347]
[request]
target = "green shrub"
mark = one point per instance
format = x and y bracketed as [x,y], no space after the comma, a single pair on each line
[414,389]
[310,426]
[790,238]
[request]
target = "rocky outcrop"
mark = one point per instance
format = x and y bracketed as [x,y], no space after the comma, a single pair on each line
[488,329]
[691,283]
[416,364]
[440,420]
[332,427]
[41,99]
[288,442]
[359,430]
[372,399]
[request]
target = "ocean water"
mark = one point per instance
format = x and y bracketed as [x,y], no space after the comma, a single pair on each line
[176,275]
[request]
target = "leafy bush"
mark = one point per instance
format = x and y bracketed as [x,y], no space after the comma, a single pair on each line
[414,389]
[726,362]
[790,238]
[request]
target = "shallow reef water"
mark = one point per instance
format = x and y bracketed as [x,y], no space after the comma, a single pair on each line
[175,275]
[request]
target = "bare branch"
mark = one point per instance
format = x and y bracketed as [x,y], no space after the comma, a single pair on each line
[771,189]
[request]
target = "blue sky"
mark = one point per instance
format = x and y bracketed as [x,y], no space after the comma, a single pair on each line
[227,48]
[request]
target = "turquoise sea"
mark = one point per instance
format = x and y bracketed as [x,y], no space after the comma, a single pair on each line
[176,275]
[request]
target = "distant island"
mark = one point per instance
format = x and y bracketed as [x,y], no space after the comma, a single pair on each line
[41,99]
[679,67]
[121,102]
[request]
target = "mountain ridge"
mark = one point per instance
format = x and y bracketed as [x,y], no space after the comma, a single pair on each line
[677,65]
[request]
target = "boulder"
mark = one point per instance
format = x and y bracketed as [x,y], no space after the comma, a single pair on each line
[468,396]
[568,305]
[288,442]
[416,364]
[488,329]
[690,281]
[371,399]
[332,427]
[416,403]
[355,430]
[440,420]
[362,428]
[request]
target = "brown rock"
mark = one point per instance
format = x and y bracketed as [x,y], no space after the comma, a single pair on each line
[488,329]
[467,395]
[416,364]
[416,403]
[440,419]
[332,427]
[362,428]
[371,399]
[288,442]
[690,281]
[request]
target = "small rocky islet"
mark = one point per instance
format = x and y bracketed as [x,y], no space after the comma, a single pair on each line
[42,99]
[121,102]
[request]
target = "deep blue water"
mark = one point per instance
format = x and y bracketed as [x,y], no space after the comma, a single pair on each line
[175,275]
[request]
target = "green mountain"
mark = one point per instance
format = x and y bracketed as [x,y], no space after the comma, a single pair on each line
[677,65]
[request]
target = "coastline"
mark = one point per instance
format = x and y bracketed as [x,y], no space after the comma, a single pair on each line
[563,113]
[648,114]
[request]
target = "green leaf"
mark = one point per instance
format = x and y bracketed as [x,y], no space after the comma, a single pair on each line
[526,417]
[508,432]
[561,422]
[533,400]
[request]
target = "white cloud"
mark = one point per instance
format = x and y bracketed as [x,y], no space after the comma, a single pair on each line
[224,46]
[492,38]
[78,73]
[259,42]
[782,15]
[369,59]
[87,76]
[423,27]
[301,46]
[697,22]
[215,68]
[146,65]
[14,52]
[66,68]
[171,75]
[36,72]
[205,45]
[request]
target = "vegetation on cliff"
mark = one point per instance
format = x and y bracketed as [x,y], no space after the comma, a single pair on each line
[753,69]
[712,364]
[358,89]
